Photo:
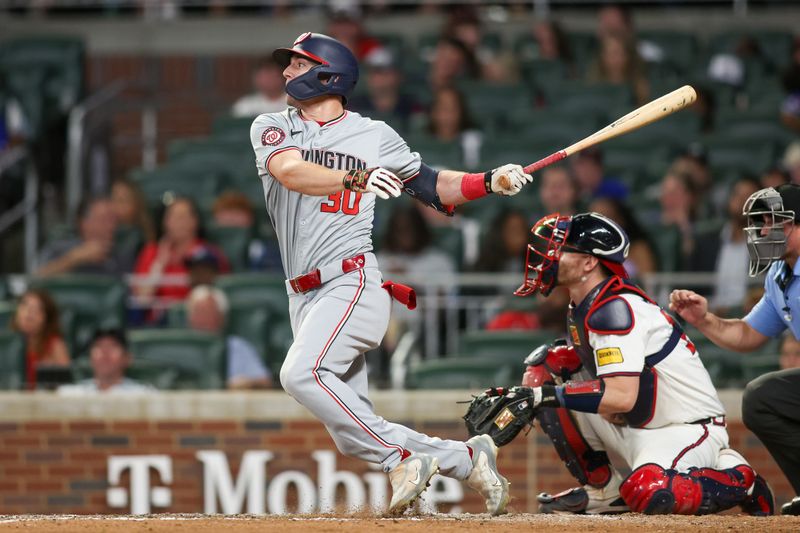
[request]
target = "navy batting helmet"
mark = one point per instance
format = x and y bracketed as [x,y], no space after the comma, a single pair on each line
[336,73]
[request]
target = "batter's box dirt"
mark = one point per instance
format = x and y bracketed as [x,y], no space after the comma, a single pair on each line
[421,524]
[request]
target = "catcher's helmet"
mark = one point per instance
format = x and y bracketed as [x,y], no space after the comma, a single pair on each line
[586,233]
[336,73]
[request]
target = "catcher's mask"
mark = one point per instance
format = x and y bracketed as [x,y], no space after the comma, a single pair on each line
[766,217]
[585,233]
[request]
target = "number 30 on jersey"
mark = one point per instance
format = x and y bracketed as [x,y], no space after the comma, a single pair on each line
[344,201]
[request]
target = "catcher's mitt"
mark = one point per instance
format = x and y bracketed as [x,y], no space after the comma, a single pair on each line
[500,413]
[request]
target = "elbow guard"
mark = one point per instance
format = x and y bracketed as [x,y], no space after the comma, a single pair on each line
[422,186]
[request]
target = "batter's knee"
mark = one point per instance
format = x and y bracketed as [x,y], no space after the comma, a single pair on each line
[295,377]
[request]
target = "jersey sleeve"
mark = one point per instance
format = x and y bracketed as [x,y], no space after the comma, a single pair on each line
[764,318]
[395,155]
[622,353]
[269,137]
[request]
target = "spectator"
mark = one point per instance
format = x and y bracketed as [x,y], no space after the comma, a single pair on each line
[452,61]
[384,96]
[207,309]
[203,265]
[618,63]
[181,235]
[678,209]
[642,256]
[465,26]
[36,319]
[270,91]
[407,246]
[93,251]
[725,251]
[614,19]
[774,177]
[558,190]
[790,351]
[346,26]
[791,162]
[506,245]
[729,67]
[449,120]
[587,167]
[130,208]
[233,209]
[110,358]
[790,108]
[694,164]
[552,43]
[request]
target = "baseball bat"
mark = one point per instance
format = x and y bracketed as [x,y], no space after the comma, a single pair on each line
[641,116]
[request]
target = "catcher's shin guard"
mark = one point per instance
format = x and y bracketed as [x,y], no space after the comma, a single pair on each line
[652,490]
[588,466]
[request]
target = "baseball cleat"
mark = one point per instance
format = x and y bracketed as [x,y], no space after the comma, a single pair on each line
[792,507]
[760,501]
[485,477]
[577,501]
[409,479]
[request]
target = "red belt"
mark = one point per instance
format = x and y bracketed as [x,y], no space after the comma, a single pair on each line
[313,280]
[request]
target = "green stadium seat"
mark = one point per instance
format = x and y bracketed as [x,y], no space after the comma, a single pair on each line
[580,97]
[775,45]
[460,373]
[253,324]
[234,243]
[198,358]
[489,102]
[255,289]
[86,302]
[395,43]
[740,156]
[724,366]
[541,71]
[127,241]
[584,48]
[680,48]
[231,127]
[281,338]
[758,365]
[441,154]
[506,347]
[7,310]
[168,182]
[496,151]
[451,242]
[12,361]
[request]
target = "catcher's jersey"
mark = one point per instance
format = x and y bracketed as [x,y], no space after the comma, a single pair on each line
[316,230]
[684,392]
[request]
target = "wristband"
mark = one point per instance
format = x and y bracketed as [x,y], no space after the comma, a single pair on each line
[356,180]
[474,186]
[582,396]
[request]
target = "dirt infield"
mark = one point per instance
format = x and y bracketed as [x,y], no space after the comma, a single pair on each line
[441,523]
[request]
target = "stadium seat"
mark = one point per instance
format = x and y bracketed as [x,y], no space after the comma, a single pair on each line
[511,344]
[758,365]
[281,338]
[740,156]
[86,302]
[253,324]
[667,240]
[680,48]
[450,240]
[724,366]
[584,48]
[169,181]
[460,373]
[440,154]
[580,97]
[252,289]
[12,361]
[7,310]
[198,358]
[231,127]
[540,71]
[234,243]
[775,45]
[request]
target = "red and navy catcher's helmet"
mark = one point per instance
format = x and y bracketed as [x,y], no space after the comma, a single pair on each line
[336,73]
[585,233]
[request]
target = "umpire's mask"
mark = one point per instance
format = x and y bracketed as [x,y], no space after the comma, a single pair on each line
[766,217]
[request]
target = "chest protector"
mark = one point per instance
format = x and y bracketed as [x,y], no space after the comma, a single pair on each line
[605,312]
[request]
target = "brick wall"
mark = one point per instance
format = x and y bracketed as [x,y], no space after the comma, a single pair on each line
[54,454]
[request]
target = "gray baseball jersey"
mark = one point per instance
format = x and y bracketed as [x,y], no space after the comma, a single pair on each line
[316,230]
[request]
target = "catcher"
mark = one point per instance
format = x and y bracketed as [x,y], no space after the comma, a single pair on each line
[626,386]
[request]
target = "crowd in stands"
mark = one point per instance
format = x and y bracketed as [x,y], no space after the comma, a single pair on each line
[681,205]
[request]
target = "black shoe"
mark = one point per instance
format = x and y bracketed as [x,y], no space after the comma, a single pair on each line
[761,502]
[576,501]
[792,507]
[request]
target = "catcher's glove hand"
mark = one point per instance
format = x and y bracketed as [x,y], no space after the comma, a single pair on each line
[500,413]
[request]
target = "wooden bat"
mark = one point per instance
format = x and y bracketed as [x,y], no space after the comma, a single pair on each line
[642,116]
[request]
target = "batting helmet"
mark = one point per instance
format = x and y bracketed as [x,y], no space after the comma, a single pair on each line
[586,233]
[336,73]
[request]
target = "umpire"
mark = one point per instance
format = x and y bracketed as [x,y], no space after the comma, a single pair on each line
[771,403]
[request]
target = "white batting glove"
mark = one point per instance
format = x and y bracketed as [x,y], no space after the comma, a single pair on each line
[508,180]
[378,180]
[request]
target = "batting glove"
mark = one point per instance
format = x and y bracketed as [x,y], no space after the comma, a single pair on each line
[375,180]
[516,179]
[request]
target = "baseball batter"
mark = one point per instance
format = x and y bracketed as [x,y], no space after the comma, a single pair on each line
[322,168]
[627,384]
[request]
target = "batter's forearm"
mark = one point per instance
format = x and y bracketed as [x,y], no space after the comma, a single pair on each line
[730,333]
[309,178]
[448,187]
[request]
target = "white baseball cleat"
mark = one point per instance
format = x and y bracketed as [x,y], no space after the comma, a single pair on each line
[484,477]
[409,479]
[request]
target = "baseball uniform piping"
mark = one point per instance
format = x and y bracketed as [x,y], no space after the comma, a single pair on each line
[279,151]
[324,352]
[694,445]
